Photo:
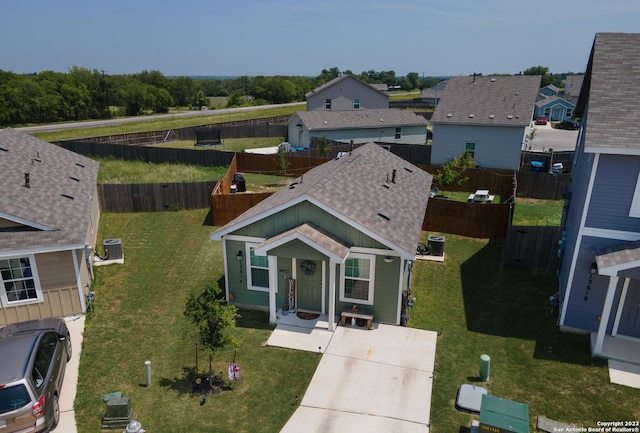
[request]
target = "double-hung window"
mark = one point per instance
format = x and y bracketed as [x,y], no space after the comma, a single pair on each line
[471,147]
[356,104]
[259,271]
[327,104]
[20,283]
[357,279]
[398,133]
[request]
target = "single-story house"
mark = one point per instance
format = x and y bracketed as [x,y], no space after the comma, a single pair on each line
[599,273]
[384,125]
[343,234]
[346,92]
[555,108]
[49,213]
[489,116]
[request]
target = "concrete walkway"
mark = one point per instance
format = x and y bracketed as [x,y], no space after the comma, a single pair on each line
[378,380]
[68,394]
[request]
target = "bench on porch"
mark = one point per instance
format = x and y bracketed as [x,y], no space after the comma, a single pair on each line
[350,313]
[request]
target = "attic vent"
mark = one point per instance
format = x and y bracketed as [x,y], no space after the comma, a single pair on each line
[492,116]
[449,114]
[493,80]
[67,195]
[509,117]
[381,120]
[325,122]
[408,169]
[79,165]
[384,216]
[74,178]
[471,116]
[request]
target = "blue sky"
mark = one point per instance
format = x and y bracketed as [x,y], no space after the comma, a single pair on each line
[302,37]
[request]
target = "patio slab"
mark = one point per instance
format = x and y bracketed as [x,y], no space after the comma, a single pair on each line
[622,373]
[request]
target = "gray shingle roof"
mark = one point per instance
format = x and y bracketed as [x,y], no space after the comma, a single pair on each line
[43,215]
[619,255]
[499,100]
[612,89]
[553,99]
[338,80]
[350,119]
[355,189]
[573,84]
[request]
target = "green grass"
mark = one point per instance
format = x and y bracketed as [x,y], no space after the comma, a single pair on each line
[138,316]
[208,117]
[534,212]
[483,308]
[119,171]
[230,144]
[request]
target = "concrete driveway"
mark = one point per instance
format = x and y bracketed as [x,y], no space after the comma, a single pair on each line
[376,380]
[557,139]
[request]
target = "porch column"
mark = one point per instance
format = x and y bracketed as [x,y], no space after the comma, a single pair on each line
[273,286]
[332,296]
[606,312]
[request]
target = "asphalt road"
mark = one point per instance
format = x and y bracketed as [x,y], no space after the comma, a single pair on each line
[547,138]
[94,123]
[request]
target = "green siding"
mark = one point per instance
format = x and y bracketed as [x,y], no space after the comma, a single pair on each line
[237,278]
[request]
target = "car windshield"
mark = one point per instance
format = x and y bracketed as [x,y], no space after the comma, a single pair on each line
[13,397]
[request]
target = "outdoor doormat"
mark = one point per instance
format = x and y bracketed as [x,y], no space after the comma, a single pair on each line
[307,316]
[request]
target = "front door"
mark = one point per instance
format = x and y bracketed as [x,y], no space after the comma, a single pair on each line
[630,319]
[309,281]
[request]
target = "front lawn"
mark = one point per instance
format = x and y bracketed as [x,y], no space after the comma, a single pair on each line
[483,308]
[138,316]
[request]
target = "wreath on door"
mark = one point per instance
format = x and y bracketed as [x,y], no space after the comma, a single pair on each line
[308,267]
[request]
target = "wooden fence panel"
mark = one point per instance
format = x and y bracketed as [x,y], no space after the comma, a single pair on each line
[542,185]
[154,197]
[476,220]
[533,247]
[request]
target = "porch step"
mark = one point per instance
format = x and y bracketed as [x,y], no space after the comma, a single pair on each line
[624,373]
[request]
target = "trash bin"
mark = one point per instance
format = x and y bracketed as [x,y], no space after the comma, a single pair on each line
[238,179]
[435,245]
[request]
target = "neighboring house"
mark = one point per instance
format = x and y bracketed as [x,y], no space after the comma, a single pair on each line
[344,233]
[555,108]
[362,126]
[381,87]
[346,92]
[433,94]
[572,86]
[548,91]
[599,273]
[49,214]
[489,116]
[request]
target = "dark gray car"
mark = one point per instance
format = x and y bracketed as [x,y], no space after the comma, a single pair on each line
[34,356]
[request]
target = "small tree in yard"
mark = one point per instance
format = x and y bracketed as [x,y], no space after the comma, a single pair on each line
[452,172]
[324,146]
[282,161]
[215,318]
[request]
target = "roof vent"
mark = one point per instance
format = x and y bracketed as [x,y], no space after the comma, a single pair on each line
[67,195]
[325,122]
[77,179]
[493,80]
[385,185]
[381,120]
[384,216]
[408,169]
[471,116]
[4,149]
[27,181]
[449,114]
[509,117]
[79,165]
[492,116]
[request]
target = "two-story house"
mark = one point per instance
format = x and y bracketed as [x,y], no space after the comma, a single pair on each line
[346,92]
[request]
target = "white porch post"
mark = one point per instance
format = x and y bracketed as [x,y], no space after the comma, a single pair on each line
[332,296]
[273,286]
[606,312]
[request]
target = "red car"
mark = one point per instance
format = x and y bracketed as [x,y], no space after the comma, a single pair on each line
[541,120]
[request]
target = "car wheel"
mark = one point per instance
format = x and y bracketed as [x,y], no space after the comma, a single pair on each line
[55,406]
[69,347]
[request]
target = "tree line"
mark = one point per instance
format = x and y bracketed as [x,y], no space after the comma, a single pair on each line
[82,94]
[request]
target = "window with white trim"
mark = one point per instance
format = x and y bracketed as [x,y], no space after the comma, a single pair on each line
[258,271]
[634,212]
[327,104]
[471,147]
[398,133]
[569,112]
[356,104]
[20,284]
[357,279]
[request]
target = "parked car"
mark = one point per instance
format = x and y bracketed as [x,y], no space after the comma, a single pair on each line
[34,356]
[568,124]
[541,120]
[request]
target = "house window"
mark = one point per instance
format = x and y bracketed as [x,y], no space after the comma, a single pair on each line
[20,283]
[471,147]
[569,112]
[356,104]
[259,271]
[357,280]
[327,104]
[634,212]
[547,111]
[398,133]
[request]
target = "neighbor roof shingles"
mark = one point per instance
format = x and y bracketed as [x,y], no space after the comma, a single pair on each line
[50,170]
[492,100]
[384,117]
[614,113]
[353,188]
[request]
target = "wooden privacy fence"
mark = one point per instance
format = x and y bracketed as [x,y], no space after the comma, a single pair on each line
[542,185]
[477,220]
[154,197]
[533,247]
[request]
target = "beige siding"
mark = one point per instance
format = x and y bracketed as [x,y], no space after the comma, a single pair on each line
[56,270]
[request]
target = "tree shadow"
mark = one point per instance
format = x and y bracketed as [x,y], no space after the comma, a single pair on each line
[514,303]
[195,385]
